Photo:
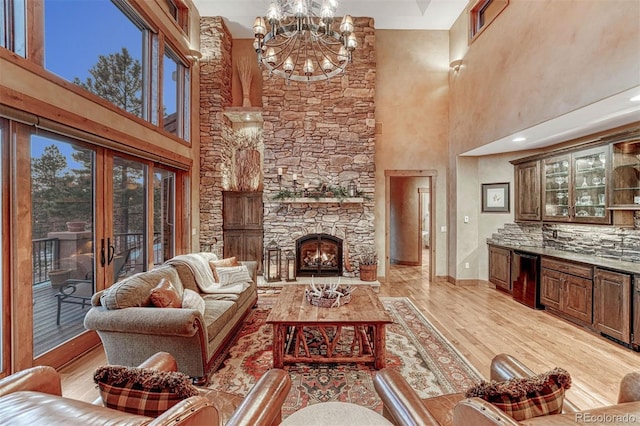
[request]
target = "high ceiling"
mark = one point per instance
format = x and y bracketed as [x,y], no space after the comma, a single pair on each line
[616,110]
[388,14]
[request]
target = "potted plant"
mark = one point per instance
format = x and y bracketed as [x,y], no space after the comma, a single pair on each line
[368,264]
[58,277]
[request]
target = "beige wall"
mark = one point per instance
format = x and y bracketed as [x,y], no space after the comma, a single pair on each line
[412,108]
[538,60]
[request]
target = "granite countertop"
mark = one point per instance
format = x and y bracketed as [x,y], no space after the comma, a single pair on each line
[602,262]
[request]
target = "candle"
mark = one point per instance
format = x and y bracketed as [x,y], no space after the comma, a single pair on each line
[295,176]
[279,171]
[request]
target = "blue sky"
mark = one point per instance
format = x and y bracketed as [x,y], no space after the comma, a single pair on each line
[78,31]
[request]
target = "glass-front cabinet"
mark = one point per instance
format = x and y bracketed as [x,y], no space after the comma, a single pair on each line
[574,187]
[625,175]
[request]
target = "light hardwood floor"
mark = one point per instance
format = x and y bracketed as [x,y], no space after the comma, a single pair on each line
[480,322]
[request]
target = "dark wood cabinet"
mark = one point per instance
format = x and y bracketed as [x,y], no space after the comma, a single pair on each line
[635,336]
[527,191]
[567,288]
[500,268]
[242,225]
[612,304]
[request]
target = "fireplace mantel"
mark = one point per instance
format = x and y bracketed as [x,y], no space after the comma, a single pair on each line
[326,200]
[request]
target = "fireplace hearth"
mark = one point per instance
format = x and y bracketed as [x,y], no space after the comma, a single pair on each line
[319,255]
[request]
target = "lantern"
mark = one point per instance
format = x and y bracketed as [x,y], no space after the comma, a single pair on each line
[272,261]
[290,261]
[352,189]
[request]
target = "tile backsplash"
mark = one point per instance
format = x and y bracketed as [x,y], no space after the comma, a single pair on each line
[608,242]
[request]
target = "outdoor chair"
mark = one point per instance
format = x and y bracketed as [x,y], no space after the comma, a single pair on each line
[71,290]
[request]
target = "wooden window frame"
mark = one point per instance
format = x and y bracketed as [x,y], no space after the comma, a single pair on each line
[477,23]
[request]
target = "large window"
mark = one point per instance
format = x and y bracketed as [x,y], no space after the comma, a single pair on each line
[175,98]
[13,35]
[98,46]
[106,48]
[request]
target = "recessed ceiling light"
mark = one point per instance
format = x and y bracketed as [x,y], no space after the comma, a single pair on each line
[519,139]
[635,98]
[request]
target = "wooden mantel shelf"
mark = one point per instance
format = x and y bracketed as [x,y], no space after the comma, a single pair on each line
[327,200]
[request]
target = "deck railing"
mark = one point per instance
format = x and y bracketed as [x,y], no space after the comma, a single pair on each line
[46,253]
[46,257]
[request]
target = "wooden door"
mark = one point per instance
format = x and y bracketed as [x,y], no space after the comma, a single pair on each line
[242,225]
[551,288]
[500,268]
[527,190]
[612,304]
[577,300]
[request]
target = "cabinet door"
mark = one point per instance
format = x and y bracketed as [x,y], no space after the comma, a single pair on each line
[233,210]
[551,288]
[589,186]
[500,267]
[625,175]
[636,310]
[577,299]
[612,304]
[556,190]
[527,190]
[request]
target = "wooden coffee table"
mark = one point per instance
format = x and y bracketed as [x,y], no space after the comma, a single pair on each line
[360,325]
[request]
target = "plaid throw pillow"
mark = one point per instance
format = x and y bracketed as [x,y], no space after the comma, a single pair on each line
[524,398]
[146,392]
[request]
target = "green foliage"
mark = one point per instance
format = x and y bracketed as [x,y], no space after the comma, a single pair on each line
[59,194]
[321,191]
[118,79]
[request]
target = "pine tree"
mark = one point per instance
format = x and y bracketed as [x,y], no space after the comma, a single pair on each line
[118,79]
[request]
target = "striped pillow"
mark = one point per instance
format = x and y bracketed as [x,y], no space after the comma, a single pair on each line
[232,275]
[524,398]
[146,392]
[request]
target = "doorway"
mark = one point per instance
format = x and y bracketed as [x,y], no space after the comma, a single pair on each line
[409,220]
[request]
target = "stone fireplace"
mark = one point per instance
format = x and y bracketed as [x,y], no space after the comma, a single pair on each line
[324,134]
[319,255]
[321,132]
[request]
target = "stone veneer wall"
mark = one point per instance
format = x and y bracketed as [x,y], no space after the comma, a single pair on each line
[325,133]
[215,93]
[609,242]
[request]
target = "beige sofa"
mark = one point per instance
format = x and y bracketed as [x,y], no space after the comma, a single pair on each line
[132,330]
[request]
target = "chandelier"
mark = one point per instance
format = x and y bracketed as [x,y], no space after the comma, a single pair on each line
[301,43]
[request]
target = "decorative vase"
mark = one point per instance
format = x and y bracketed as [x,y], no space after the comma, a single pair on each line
[368,272]
[76,226]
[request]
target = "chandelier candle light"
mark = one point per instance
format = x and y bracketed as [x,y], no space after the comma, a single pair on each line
[301,43]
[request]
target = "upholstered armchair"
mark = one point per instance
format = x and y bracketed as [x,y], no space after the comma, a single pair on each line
[33,396]
[403,406]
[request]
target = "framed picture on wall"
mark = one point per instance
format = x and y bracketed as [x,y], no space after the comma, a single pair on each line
[495,197]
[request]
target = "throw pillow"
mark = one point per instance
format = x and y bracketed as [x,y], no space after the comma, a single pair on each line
[143,391]
[192,300]
[230,276]
[164,295]
[524,398]
[224,263]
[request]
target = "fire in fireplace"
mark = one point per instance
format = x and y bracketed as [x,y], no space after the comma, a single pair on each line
[319,255]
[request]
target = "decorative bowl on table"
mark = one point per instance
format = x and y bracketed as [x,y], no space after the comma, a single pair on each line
[331,295]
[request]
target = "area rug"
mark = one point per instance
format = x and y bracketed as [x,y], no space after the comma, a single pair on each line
[431,365]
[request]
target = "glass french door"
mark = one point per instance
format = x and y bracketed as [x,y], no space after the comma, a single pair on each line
[97,217]
[63,226]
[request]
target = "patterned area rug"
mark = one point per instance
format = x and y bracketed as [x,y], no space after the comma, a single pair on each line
[424,357]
